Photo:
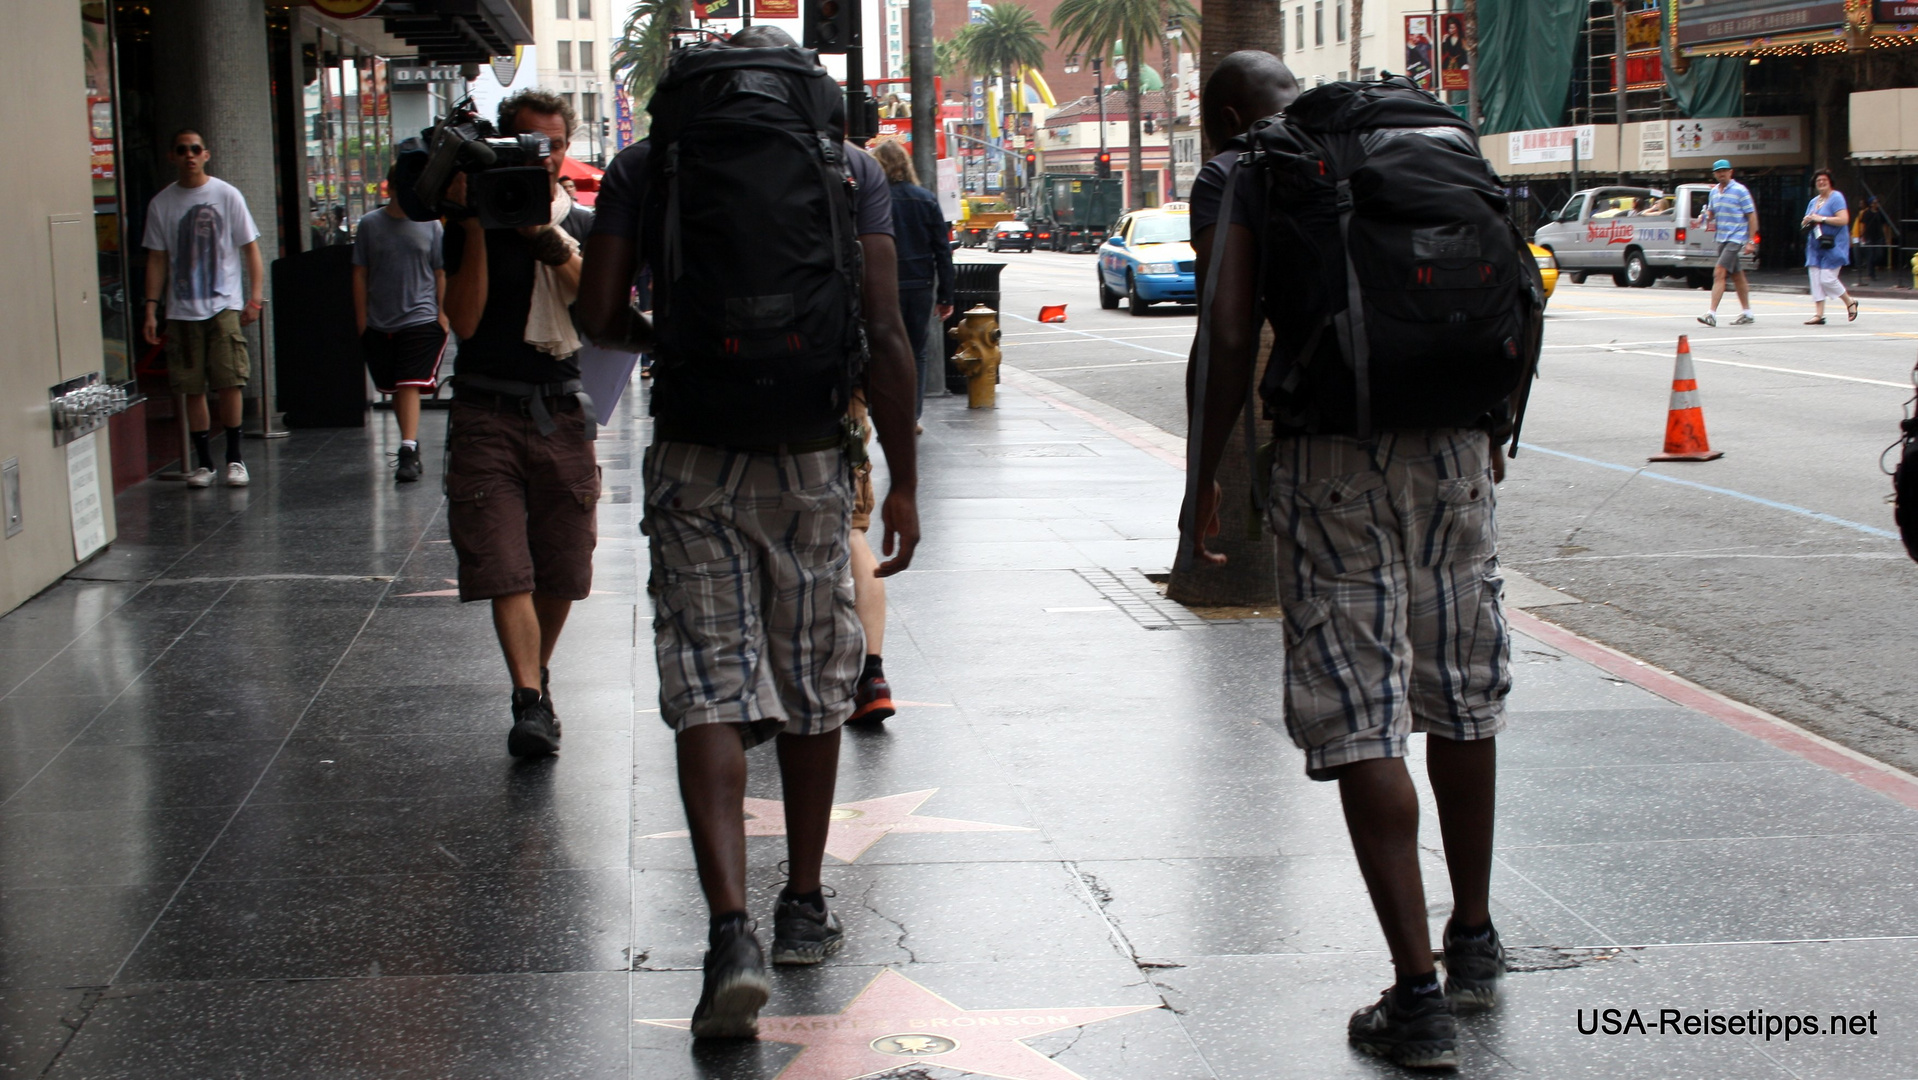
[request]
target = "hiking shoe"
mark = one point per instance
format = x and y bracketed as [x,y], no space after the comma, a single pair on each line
[1708,319]
[200,477]
[535,730]
[546,693]
[1422,1035]
[802,934]
[409,465]
[1744,319]
[236,474]
[871,700]
[1473,967]
[735,986]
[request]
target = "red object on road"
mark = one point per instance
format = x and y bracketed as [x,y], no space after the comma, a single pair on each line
[1052,313]
[1685,420]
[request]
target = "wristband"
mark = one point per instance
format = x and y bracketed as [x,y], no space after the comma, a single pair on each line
[256,303]
[151,300]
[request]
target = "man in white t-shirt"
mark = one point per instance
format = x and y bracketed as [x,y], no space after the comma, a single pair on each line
[198,229]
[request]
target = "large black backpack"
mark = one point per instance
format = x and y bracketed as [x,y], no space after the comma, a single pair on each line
[1400,293]
[748,228]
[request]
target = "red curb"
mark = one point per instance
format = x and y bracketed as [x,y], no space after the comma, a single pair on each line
[1884,779]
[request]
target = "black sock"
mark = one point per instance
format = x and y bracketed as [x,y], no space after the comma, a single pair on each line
[724,920]
[815,899]
[1410,987]
[203,449]
[522,698]
[875,667]
[232,445]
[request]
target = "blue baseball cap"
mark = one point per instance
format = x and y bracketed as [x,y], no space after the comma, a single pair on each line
[1721,163]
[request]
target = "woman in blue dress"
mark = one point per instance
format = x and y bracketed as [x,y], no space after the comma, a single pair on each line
[1827,247]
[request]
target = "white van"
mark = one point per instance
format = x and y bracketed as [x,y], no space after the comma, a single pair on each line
[1637,235]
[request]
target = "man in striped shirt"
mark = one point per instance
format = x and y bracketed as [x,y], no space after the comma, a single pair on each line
[1733,219]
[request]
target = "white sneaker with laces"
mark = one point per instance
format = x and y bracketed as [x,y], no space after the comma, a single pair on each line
[199,478]
[1744,320]
[236,474]
[1709,319]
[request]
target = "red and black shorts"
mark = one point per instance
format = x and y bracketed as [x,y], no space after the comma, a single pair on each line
[409,356]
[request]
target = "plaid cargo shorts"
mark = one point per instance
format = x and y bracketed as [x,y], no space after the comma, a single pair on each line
[753,619]
[1388,570]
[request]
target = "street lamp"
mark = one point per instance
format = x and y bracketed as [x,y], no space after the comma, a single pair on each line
[1173,32]
[1072,64]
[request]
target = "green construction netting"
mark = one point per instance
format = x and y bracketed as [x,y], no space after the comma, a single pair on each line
[1710,85]
[1525,63]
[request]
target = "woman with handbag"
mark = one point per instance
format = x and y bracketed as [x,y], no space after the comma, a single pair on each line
[1827,247]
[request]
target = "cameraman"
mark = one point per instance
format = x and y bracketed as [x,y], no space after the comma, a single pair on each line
[521,480]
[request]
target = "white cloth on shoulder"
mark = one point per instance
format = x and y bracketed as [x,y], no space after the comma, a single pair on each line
[549,323]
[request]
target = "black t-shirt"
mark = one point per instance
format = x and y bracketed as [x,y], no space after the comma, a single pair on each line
[1208,190]
[498,347]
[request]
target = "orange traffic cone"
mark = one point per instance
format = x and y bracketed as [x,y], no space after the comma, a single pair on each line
[1052,313]
[1685,422]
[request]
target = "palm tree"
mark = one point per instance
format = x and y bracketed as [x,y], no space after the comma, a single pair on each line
[1250,575]
[1005,42]
[645,44]
[1095,26]
[1358,16]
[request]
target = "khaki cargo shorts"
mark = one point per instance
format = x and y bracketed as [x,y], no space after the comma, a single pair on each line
[863,499]
[1388,571]
[753,619]
[209,354]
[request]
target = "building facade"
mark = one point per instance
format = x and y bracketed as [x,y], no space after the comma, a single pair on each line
[574,45]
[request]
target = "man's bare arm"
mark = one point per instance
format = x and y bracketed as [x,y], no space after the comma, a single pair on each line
[359,298]
[156,290]
[605,305]
[1235,343]
[891,389]
[466,287]
[256,278]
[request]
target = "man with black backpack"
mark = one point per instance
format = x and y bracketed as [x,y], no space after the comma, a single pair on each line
[1364,225]
[770,243]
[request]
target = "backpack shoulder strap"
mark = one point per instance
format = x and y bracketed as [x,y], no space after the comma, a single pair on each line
[1350,323]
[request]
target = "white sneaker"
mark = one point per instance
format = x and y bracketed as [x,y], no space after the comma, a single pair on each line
[199,478]
[1744,319]
[236,474]
[1708,319]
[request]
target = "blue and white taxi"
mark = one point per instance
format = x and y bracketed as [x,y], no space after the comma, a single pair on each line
[1148,259]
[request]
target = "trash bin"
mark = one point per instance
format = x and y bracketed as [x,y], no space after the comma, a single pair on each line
[973,284]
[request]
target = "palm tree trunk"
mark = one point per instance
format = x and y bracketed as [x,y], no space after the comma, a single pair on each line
[1005,136]
[1169,109]
[1250,575]
[1358,16]
[1135,151]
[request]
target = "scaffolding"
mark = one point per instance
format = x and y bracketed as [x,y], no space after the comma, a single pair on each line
[1594,86]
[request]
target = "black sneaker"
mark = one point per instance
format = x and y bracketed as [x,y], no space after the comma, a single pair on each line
[409,466]
[1421,1035]
[546,692]
[535,730]
[802,934]
[1473,967]
[735,986]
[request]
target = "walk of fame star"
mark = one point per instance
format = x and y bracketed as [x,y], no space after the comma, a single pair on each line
[857,826]
[894,1018]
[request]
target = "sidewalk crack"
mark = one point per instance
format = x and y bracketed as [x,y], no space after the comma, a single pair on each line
[74,1023]
[900,943]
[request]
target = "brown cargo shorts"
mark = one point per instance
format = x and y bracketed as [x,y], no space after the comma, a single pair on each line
[206,354]
[522,507]
[863,499]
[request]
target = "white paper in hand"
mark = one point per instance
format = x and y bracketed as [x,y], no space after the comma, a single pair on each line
[604,374]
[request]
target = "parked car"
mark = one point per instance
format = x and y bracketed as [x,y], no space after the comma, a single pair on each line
[1148,259]
[1547,269]
[1636,235]
[1010,234]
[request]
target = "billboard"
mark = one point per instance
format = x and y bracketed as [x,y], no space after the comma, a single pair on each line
[1895,11]
[1550,144]
[1419,35]
[1736,136]
[1455,68]
[1703,22]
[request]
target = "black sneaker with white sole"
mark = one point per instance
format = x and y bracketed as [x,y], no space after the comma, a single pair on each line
[1474,964]
[736,986]
[535,729]
[803,934]
[408,469]
[1419,1034]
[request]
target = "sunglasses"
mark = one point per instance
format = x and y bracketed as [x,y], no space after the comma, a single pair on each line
[189,148]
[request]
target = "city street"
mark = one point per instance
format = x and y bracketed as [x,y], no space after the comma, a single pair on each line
[1773,575]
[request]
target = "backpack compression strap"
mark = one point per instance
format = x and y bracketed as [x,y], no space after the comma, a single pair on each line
[1351,322]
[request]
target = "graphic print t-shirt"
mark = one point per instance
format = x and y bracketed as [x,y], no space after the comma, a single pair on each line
[202,230]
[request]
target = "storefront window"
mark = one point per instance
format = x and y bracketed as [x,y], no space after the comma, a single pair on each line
[349,138]
[114,321]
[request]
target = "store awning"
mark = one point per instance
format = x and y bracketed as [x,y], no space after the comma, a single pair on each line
[583,176]
[460,31]
[1884,125]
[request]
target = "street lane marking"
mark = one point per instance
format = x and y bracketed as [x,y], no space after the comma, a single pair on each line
[1873,555]
[1765,367]
[1101,367]
[1741,340]
[1815,515]
[1095,337]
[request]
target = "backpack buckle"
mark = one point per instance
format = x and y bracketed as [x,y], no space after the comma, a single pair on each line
[1345,195]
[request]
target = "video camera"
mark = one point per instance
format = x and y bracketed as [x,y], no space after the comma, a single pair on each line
[507,185]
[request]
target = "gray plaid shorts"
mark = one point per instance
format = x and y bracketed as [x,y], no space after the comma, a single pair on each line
[753,619]
[1388,570]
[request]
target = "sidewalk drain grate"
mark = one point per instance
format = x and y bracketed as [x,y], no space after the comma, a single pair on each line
[1132,592]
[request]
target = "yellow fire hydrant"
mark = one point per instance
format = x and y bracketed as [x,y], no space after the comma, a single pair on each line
[1914,271]
[978,355]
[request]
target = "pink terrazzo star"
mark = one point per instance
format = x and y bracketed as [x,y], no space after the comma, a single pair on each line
[857,826]
[895,1022]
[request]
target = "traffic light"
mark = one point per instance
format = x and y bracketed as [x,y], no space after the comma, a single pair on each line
[1102,168]
[831,25]
[1032,161]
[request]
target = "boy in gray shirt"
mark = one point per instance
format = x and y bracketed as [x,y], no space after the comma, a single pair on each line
[397,285]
